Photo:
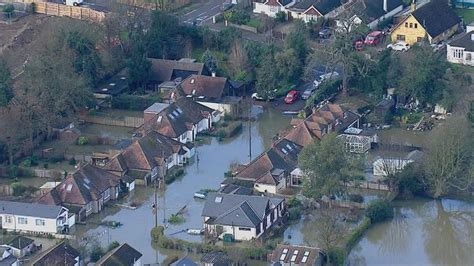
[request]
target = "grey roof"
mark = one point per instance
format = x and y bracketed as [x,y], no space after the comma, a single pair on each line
[122,255]
[10,260]
[323,6]
[436,17]
[156,108]
[374,8]
[238,210]
[465,41]
[216,259]
[29,209]
[184,261]
[20,242]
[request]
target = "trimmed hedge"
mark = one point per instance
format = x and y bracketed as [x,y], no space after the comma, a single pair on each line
[379,210]
[133,102]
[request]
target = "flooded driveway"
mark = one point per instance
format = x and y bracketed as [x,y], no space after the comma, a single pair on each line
[205,173]
[423,232]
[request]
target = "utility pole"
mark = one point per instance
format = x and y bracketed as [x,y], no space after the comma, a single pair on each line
[250,129]
[155,205]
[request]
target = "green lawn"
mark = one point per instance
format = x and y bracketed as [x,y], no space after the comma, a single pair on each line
[466,14]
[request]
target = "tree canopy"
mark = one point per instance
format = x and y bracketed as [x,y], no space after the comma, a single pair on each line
[6,93]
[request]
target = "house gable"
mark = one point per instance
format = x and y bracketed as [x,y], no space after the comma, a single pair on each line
[312,11]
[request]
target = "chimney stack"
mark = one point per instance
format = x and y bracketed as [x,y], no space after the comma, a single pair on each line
[213,74]
[413,5]
[385,6]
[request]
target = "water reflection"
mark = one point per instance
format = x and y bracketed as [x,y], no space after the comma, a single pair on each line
[422,232]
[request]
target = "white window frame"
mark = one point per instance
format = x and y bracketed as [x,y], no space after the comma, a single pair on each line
[89,206]
[40,222]
[22,220]
[107,194]
[9,219]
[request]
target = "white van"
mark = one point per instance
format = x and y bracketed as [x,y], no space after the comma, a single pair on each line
[320,79]
[73,2]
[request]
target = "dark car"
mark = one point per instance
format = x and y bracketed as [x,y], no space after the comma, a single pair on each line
[324,33]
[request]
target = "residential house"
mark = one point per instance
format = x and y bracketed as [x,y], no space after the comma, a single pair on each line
[463,3]
[166,74]
[60,254]
[312,10]
[270,171]
[213,92]
[241,217]
[371,12]
[35,218]
[358,140]
[150,157]
[7,258]
[272,7]
[182,120]
[184,261]
[288,255]
[461,49]
[85,191]
[121,255]
[435,22]
[112,87]
[215,258]
[388,165]
[21,246]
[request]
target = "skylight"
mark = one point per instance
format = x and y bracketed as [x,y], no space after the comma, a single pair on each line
[179,110]
[87,180]
[159,119]
[69,187]
[218,199]
[289,147]
[305,257]
[284,151]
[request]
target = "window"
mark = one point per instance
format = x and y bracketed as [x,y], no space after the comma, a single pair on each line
[89,207]
[411,25]
[468,57]
[416,25]
[107,194]
[419,39]
[400,37]
[22,220]
[244,229]
[8,219]
[406,24]
[457,53]
[40,222]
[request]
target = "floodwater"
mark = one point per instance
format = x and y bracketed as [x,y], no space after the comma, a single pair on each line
[205,173]
[423,232]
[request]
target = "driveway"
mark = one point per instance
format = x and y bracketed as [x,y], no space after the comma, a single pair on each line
[204,12]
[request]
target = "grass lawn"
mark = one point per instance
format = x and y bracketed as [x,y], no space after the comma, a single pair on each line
[466,14]
[255,23]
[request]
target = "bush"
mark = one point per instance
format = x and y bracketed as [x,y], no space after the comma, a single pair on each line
[294,214]
[379,210]
[280,17]
[176,219]
[337,256]
[356,198]
[157,232]
[18,189]
[56,158]
[8,8]
[96,253]
[82,140]
[294,202]
[113,245]
[72,161]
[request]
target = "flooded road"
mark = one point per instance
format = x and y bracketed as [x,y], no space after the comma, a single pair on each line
[207,173]
[423,232]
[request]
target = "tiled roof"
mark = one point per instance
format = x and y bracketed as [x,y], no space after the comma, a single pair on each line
[20,242]
[168,70]
[122,255]
[322,6]
[297,255]
[204,86]
[29,209]
[436,17]
[61,254]
[465,41]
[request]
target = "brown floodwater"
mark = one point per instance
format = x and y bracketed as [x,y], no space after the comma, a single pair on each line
[423,232]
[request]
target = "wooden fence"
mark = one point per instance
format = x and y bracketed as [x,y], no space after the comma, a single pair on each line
[126,121]
[77,12]
[369,185]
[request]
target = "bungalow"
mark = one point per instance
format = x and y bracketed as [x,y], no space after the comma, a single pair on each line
[121,255]
[312,10]
[270,171]
[272,7]
[60,254]
[86,191]
[181,120]
[215,258]
[286,255]
[20,246]
[372,12]
[35,218]
[150,157]
[112,87]
[461,50]
[213,92]
[167,72]
[435,21]
[389,165]
[241,217]
[7,258]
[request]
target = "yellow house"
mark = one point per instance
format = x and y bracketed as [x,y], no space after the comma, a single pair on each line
[435,21]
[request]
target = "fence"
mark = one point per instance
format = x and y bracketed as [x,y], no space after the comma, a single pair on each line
[369,185]
[244,27]
[77,12]
[126,121]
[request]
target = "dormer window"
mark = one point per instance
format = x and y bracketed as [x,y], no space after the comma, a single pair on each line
[192,82]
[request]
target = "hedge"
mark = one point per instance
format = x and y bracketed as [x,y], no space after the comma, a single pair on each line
[133,102]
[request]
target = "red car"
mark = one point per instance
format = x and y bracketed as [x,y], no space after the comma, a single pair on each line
[291,97]
[373,38]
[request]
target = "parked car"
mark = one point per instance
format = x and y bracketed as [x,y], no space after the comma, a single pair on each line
[324,33]
[201,194]
[320,79]
[308,93]
[399,46]
[291,97]
[438,46]
[226,6]
[373,38]
[73,2]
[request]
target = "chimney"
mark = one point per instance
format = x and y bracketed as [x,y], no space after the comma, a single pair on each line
[413,6]
[385,7]
[213,74]
[472,36]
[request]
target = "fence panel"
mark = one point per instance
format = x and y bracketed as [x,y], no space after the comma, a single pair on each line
[77,12]
[127,121]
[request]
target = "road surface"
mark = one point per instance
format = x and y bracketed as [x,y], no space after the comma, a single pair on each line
[205,11]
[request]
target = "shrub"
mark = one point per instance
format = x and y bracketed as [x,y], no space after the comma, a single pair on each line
[337,256]
[356,198]
[82,140]
[280,17]
[72,161]
[176,219]
[379,210]
[294,202]
[13,171]
[56,158]
[157,232]
[113,245]
[18,189]
[133,102]
[26,163]
[8,9]
[96,253]
[294,214]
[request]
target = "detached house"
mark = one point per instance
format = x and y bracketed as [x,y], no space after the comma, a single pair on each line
[461,50]
[241,217]
[312,10]
[181,120]
[210,91]
[272,7]
[35,218]
[85,192]
[150,157]
[372,12]
[167,74]
[61,254]
[287,255]
[435,22]
[121,255]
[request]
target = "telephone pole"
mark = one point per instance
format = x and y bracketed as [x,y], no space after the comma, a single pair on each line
[250,129]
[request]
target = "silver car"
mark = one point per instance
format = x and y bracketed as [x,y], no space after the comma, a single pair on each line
[308,93]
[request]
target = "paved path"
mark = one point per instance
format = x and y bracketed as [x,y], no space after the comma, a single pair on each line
[204,12]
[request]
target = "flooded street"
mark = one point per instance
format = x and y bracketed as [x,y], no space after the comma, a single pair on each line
[205,173]
[423,232]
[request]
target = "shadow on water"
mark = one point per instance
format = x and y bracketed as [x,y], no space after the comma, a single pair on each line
[422,232]
[207,172]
